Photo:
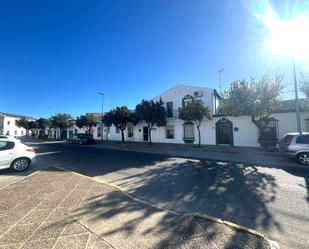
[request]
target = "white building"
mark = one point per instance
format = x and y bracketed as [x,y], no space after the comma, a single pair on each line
[221,130]
[8,124]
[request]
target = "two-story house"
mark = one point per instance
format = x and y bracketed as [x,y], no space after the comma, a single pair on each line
[220,130]
[8,124]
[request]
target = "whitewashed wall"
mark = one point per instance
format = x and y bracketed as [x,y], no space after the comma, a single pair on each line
[11,127]
[177,93]
[246,135]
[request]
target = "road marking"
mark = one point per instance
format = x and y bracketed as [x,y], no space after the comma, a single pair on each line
[48,153]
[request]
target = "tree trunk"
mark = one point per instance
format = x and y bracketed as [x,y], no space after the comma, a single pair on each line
[261,138]
[199,136]
[122,135]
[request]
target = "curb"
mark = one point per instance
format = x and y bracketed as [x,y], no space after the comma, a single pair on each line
[170,154]
[272,244]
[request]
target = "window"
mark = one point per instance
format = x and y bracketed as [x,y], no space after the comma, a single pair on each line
[22,132]
[188,131]
[8,132]
[304,139]
[6,145]
[169,109]
[75,131]
[15,133]
[169,131]
[9,122]
[117,130]
[130,131]
[269,129]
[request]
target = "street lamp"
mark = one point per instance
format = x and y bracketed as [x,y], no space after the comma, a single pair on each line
[288,38]
[102,94]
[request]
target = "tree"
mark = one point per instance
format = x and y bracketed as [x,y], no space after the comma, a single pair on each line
[255,98]
[61,120]
[153,113]
[305,87]
[120,117]
[86,122]
[41,124]
[26,124]
[22,123]
[194,111]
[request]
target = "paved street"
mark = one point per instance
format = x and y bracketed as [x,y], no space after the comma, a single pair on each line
[58,209]
[272,200]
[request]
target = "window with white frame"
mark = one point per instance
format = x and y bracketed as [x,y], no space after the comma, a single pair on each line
[9,122]
[169,132]
[188,131]
[117,130]
[130,131]
[15,133]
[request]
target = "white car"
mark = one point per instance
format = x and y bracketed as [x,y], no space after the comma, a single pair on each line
[8,137]
[15,155]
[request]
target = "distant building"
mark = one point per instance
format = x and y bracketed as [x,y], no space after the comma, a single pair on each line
[8,124]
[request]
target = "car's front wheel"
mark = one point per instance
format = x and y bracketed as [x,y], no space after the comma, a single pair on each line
[20,164]
[303,158]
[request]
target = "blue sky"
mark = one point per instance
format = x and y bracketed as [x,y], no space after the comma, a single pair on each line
[60,54]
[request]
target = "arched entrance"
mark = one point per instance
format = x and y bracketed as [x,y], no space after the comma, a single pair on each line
[224,132]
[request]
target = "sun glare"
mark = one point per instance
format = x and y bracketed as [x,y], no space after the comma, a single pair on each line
[286,37]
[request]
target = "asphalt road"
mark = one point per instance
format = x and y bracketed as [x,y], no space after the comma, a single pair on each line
[273,201]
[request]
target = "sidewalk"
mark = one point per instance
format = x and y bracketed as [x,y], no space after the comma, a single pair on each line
[57,209]
[248,155]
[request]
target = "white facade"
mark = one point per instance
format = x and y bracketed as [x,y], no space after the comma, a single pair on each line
[243,131]
[8,125]
[229,130]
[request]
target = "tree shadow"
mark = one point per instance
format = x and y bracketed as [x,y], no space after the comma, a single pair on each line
[115,215]
[234,192]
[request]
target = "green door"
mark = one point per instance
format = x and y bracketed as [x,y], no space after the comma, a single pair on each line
[224,132]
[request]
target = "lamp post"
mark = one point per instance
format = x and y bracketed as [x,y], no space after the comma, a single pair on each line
[296,100]
[102,94]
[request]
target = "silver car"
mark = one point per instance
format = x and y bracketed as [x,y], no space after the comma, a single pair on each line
[296,145]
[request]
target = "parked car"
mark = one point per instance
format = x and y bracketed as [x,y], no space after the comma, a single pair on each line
[296,145]
[81,139]
[15,155]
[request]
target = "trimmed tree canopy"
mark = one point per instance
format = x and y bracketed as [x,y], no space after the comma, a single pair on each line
[86,122]
[61,120]
[120,117]
[153,113]
[195,111]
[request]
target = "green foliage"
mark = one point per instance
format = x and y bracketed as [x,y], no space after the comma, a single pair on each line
[23,123]
[305,87]
[61,120]
[42,123]
[195,111]
[153,113]
[86,122]
[120,117]
[255,98]
[108,118]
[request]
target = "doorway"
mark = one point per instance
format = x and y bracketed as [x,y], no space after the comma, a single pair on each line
[145,133]
[224,132]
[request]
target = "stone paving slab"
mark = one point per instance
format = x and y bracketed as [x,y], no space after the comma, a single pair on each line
[58,209]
